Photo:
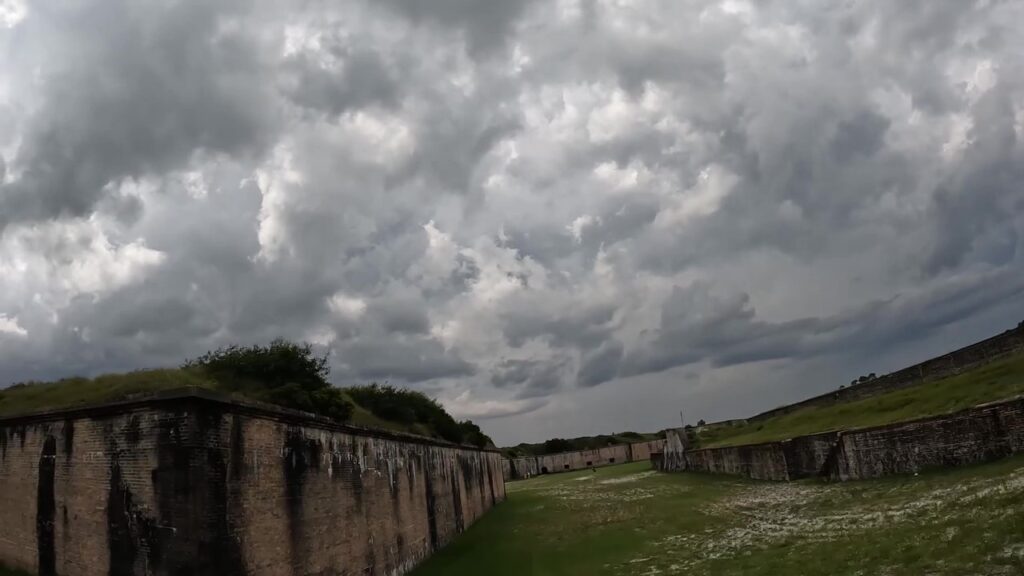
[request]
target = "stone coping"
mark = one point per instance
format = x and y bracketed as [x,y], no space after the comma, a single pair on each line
[193,396]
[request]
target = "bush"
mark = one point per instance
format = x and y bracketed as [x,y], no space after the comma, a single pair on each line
[411,407]
[282,373]
[472,434]
[275,365]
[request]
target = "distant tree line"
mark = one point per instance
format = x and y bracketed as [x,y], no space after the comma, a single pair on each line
[862,379]
[558,445]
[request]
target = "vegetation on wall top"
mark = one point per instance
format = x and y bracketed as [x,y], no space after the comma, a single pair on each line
[558,445]
[282,373]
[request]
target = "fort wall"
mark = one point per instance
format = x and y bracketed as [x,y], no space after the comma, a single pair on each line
[529,466]
[195,484]
[980,434]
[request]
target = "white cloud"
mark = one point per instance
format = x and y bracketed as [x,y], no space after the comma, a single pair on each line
[11,326]
[521,206]
[12,12]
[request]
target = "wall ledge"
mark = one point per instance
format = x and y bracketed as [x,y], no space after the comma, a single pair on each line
[191,396]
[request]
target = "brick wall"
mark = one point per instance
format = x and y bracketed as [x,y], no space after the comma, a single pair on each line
[759,461]
[195,485]
[518,468]
[980,434]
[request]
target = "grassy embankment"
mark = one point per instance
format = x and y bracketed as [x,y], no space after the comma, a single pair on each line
[70,392]
[625,520]
[9,572]
[998,380]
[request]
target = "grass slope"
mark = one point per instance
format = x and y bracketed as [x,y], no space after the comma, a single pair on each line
[71,392]
[998,380]
[625,520]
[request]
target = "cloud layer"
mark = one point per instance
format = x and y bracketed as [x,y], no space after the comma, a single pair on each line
[561,216]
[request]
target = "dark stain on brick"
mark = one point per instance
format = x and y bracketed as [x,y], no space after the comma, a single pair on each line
[195,535]
[121,542]
[46,509]
[346,469]
[460,523]
[3,443]
[371,560]
[132,430]
[237,458]
[295,466]
[219,551]
[431,502]
[65,524]
[490,480]
[21,433]
[69,439]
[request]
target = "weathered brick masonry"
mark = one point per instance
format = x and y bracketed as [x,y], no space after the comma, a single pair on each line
[980,434]
[195,485]
[526,467]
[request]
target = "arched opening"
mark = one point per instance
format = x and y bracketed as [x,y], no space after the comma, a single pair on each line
[543,469]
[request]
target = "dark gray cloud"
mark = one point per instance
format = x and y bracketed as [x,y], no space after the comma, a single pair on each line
[564,217]
[160,82]
[484,24]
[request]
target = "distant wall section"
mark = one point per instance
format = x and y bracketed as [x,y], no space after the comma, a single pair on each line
[980,434]
[526,467]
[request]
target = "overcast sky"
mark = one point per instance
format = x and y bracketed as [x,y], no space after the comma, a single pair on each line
[559,217]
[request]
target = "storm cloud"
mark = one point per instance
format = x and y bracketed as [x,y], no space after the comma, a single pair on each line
[558,216]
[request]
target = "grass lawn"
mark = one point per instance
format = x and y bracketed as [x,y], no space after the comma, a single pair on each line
[72,392]
[9,572]
[995,381]
[626,520]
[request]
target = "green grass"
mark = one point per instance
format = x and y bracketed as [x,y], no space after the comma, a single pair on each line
[624,520]
[72,392]
[4,571]
[998,380]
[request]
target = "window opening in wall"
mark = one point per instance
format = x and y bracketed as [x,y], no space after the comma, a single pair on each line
[543,469]
[611,460]
[566,466]
[589,463]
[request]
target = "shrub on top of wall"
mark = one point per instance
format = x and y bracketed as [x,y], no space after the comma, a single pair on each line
[283,373]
